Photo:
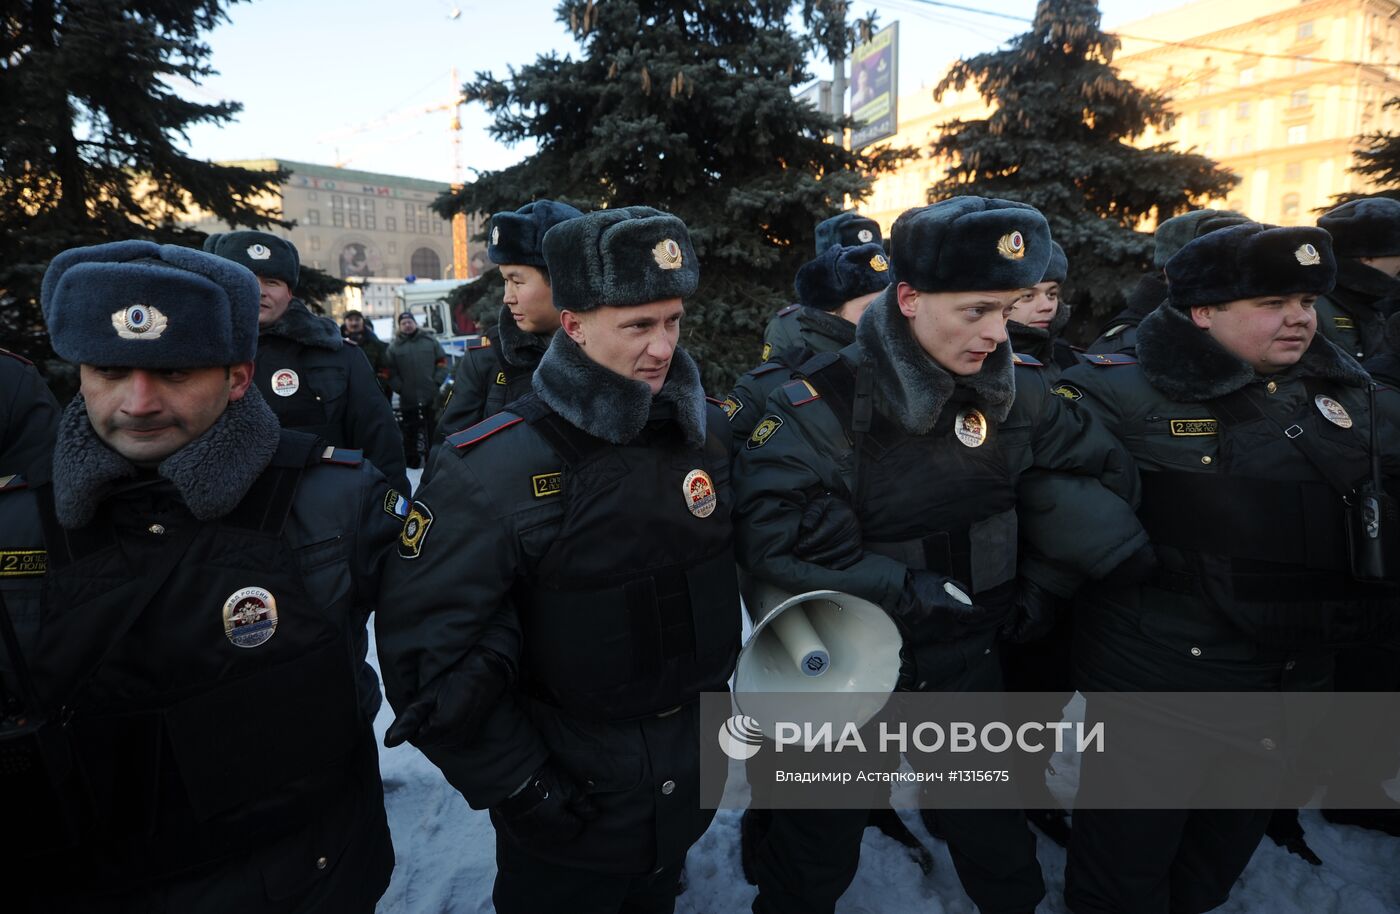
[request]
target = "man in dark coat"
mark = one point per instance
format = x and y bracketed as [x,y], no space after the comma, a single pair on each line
[188,586]
[306,373]
[417,368]
[1366,239]
[594,516]
[1233,403]
[28,414]
[360,332]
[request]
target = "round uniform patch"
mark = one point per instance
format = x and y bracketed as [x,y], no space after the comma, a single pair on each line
[971,427]
[250,617]
[1012,246]
[1333,411]
[865,236]
[285,382]
[700,495]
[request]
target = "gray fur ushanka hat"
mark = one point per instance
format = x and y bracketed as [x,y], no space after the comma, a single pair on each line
[634,255]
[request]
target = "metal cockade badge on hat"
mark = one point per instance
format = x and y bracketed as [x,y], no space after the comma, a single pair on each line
[865,236]
[259,252]
[1012,246]
[139,322]
[250,617]
[700,495]
[1308,256]
[667,255]
[879,263]
[495,234]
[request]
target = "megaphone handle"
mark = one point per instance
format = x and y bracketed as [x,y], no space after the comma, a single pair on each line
[801,642]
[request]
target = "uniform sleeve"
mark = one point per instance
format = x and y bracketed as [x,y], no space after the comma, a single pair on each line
[439,365]
[1076,505]
[28,417]
[775,474]
[468,403]
[743,406]
[371,421]
[445,590]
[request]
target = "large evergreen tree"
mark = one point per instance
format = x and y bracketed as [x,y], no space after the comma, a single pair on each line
[687,106]
[1059,138]
[89,149]
[1378,160]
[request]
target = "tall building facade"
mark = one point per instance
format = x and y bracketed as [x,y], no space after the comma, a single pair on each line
[1276,92]
[359,224]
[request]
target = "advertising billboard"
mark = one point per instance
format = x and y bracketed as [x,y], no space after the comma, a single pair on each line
[874,87]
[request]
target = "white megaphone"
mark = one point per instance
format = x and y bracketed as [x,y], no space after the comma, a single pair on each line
[823,641]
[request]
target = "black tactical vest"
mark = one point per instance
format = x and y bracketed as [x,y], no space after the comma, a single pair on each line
[1262,538]
[634,609]
[205,727]
[932,501]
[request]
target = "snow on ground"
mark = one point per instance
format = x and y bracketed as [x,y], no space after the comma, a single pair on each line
[446,859]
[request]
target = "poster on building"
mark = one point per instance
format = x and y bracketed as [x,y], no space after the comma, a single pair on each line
[874,87]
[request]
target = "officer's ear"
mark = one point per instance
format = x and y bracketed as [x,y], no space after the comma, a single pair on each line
[908,298]
[1202,316]
[573,326]
[240,377]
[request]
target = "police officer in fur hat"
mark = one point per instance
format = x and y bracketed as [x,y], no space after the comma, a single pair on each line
[1366,240]
[1120,334]
[595,514]
[1038,318]
[848,229]
[310,378]
[1232,410]
[837,286]
[868,466]
[28,414]
[498,368]
[188,583]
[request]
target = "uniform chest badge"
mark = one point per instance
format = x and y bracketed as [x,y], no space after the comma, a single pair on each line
[250,617]
[1333,411]
[285,382]
[700,495]
[971,427]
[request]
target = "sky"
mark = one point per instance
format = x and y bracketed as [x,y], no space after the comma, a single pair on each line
[349,82]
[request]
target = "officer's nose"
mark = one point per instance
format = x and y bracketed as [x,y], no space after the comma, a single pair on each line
[508,297]
[142,394]
[997,330]
[661,346]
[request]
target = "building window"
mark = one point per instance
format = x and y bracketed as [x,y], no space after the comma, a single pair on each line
[1243,110]
[1206,87]
[1305,30]
[313,217]
[355,204]
[425,264]
[337,201]
[423,226]
[437,226]
[354,220]
[391,225]
[1203,118]
[337,218]
[1247,76]
[1293,171]
[1299,98]
[1290,206]
[1297,134]
[369,221]
[369,203]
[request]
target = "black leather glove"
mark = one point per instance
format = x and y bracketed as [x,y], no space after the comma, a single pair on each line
[1135,569]
[550,809]
[935,605]
[1033,614]
[829,534]
[454,705]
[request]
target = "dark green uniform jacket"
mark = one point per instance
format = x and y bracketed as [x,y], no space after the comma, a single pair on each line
[596,519]
[417,368]
[28,414]
[1353,315]
[226,759]
[1249,533]
[491,373]
[317,384]
[818,331]
[938,447]
[782,333]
